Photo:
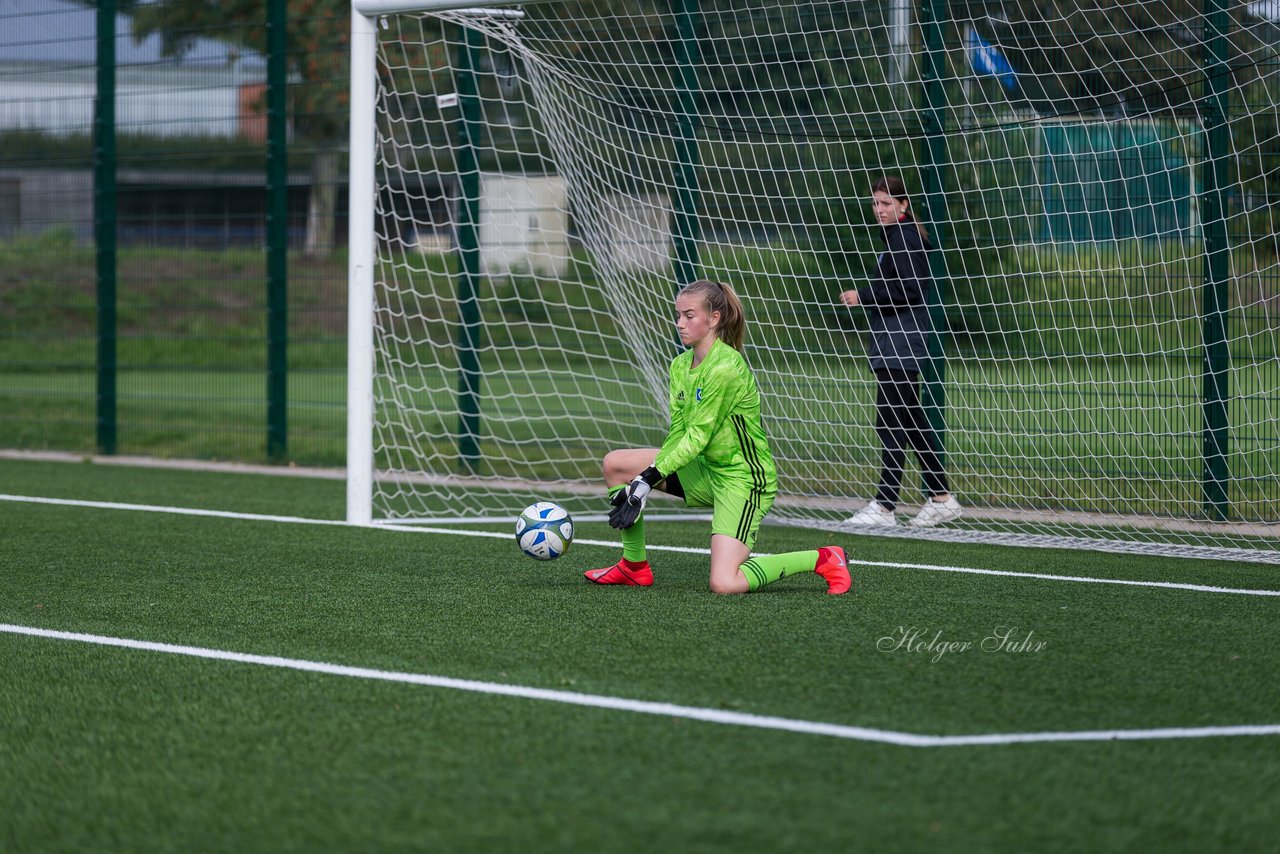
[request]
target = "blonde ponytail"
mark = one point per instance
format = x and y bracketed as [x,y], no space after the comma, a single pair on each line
[721,298]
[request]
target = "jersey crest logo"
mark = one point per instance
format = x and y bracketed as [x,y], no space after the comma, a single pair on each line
[697,395]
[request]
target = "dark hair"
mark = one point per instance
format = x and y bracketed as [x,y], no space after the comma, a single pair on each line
[721,298]
[893,185]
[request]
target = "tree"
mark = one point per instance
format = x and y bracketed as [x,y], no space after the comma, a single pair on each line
[1089,56]
[319,59]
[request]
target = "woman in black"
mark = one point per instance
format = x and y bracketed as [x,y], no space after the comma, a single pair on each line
[896,302]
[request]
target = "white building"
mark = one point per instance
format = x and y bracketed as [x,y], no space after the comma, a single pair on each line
[48,88]
[48,78]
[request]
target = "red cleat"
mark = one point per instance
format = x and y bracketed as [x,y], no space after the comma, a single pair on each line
[632,574]
[835,569]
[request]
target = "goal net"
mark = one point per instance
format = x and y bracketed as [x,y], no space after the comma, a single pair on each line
[1097,179]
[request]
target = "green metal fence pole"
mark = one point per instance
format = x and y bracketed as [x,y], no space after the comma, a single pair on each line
[469,272]
[687,232]
[1214,176]
[104,223]
[277,234]
[933,160]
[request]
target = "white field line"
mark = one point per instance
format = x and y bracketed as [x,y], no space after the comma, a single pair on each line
[843,504]
[419,529]
[670,710]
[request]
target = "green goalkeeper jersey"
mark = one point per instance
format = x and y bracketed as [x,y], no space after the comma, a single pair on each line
[715,414]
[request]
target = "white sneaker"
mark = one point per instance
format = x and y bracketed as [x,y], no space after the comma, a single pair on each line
[874,515]
[937,512]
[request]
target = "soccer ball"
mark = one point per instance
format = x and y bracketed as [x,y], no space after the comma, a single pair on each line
[544,530]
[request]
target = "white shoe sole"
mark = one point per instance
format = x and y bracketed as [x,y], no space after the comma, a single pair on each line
[862,522]
[941,519]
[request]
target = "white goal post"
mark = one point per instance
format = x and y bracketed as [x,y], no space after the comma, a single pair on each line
[360,271]
[531,184]
[370,9]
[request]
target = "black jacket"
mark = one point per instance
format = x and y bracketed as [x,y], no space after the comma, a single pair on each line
[896,300]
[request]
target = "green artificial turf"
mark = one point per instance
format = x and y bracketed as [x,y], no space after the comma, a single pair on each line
[105,748]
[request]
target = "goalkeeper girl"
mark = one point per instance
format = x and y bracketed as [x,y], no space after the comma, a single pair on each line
[715,455]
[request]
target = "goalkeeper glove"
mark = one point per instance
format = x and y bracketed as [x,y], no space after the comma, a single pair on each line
[628,502]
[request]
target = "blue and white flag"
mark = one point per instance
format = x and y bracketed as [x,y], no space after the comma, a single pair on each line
[988,61]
